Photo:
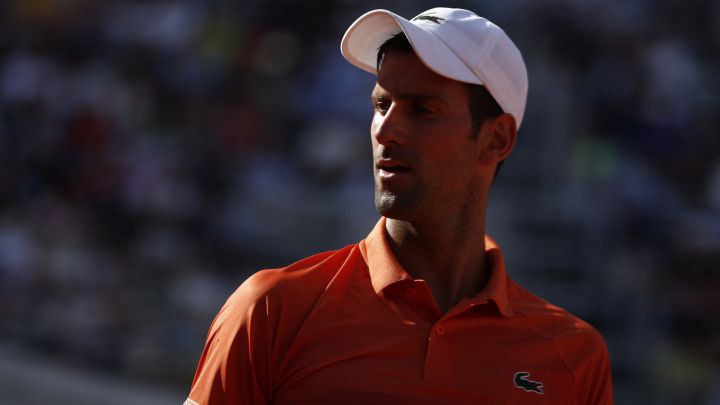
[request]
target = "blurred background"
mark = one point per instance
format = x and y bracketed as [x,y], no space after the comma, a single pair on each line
[153,154]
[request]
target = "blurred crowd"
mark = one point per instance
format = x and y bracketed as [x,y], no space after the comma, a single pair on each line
[153,154]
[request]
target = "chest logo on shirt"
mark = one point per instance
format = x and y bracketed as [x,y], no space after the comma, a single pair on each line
[521,380]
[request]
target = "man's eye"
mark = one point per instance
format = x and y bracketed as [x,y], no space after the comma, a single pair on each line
[382,106]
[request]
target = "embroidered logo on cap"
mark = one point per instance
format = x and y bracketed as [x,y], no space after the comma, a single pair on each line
[521,381]
[428,17]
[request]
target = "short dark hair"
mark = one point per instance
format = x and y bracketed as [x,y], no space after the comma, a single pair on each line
[482,104]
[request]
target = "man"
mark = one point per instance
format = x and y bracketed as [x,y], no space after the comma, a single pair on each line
[421,311]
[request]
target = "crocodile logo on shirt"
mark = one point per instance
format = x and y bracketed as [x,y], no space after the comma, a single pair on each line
[521,381]
[428,17]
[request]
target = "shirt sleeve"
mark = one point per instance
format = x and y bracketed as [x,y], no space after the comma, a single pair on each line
[234,367]
[251,335]
[593,376]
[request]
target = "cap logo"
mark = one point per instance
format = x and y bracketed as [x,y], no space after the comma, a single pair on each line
[428,17]
[522,381]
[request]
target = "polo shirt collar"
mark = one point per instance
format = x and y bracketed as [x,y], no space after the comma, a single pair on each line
[386,270]
[497,288]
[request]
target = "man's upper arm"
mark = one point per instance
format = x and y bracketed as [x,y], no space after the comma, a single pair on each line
[255,328]
[590,361]
[235,364]
[597,380]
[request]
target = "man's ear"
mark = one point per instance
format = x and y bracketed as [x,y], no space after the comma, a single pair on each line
[499,135]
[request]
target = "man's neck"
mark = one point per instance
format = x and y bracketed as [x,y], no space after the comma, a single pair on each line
[449,256]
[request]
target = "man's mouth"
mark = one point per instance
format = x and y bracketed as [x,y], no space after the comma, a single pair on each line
[387,168]
[394,169]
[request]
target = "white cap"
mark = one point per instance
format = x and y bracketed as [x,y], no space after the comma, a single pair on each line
[454,43]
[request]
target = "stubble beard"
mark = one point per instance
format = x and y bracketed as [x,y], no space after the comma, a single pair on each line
[384,202]
[395,205]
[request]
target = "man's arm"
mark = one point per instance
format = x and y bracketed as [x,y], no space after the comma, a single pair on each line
[588,358]
[252,333]
[594,380]
[235,364]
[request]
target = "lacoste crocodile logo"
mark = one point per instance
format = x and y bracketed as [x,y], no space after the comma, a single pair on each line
[428,17]
[521,381]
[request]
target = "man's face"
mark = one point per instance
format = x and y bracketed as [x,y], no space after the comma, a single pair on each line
[424,154]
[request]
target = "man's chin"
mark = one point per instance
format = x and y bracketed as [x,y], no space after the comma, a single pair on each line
[390,206]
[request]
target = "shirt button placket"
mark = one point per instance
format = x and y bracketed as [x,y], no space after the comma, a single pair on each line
[435,357]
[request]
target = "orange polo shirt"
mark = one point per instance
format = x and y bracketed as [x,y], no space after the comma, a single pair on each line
[352,327]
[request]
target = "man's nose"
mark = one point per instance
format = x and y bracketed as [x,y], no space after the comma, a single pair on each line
[389,128]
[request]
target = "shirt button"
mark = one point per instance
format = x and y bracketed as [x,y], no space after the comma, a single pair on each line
[440,329]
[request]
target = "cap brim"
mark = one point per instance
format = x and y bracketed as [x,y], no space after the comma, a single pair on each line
[362,40]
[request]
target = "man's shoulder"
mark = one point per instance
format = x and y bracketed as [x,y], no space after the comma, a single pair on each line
[580,346]
[304,278]
[569,332]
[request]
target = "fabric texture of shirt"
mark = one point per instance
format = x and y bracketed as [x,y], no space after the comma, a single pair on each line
[351,326]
